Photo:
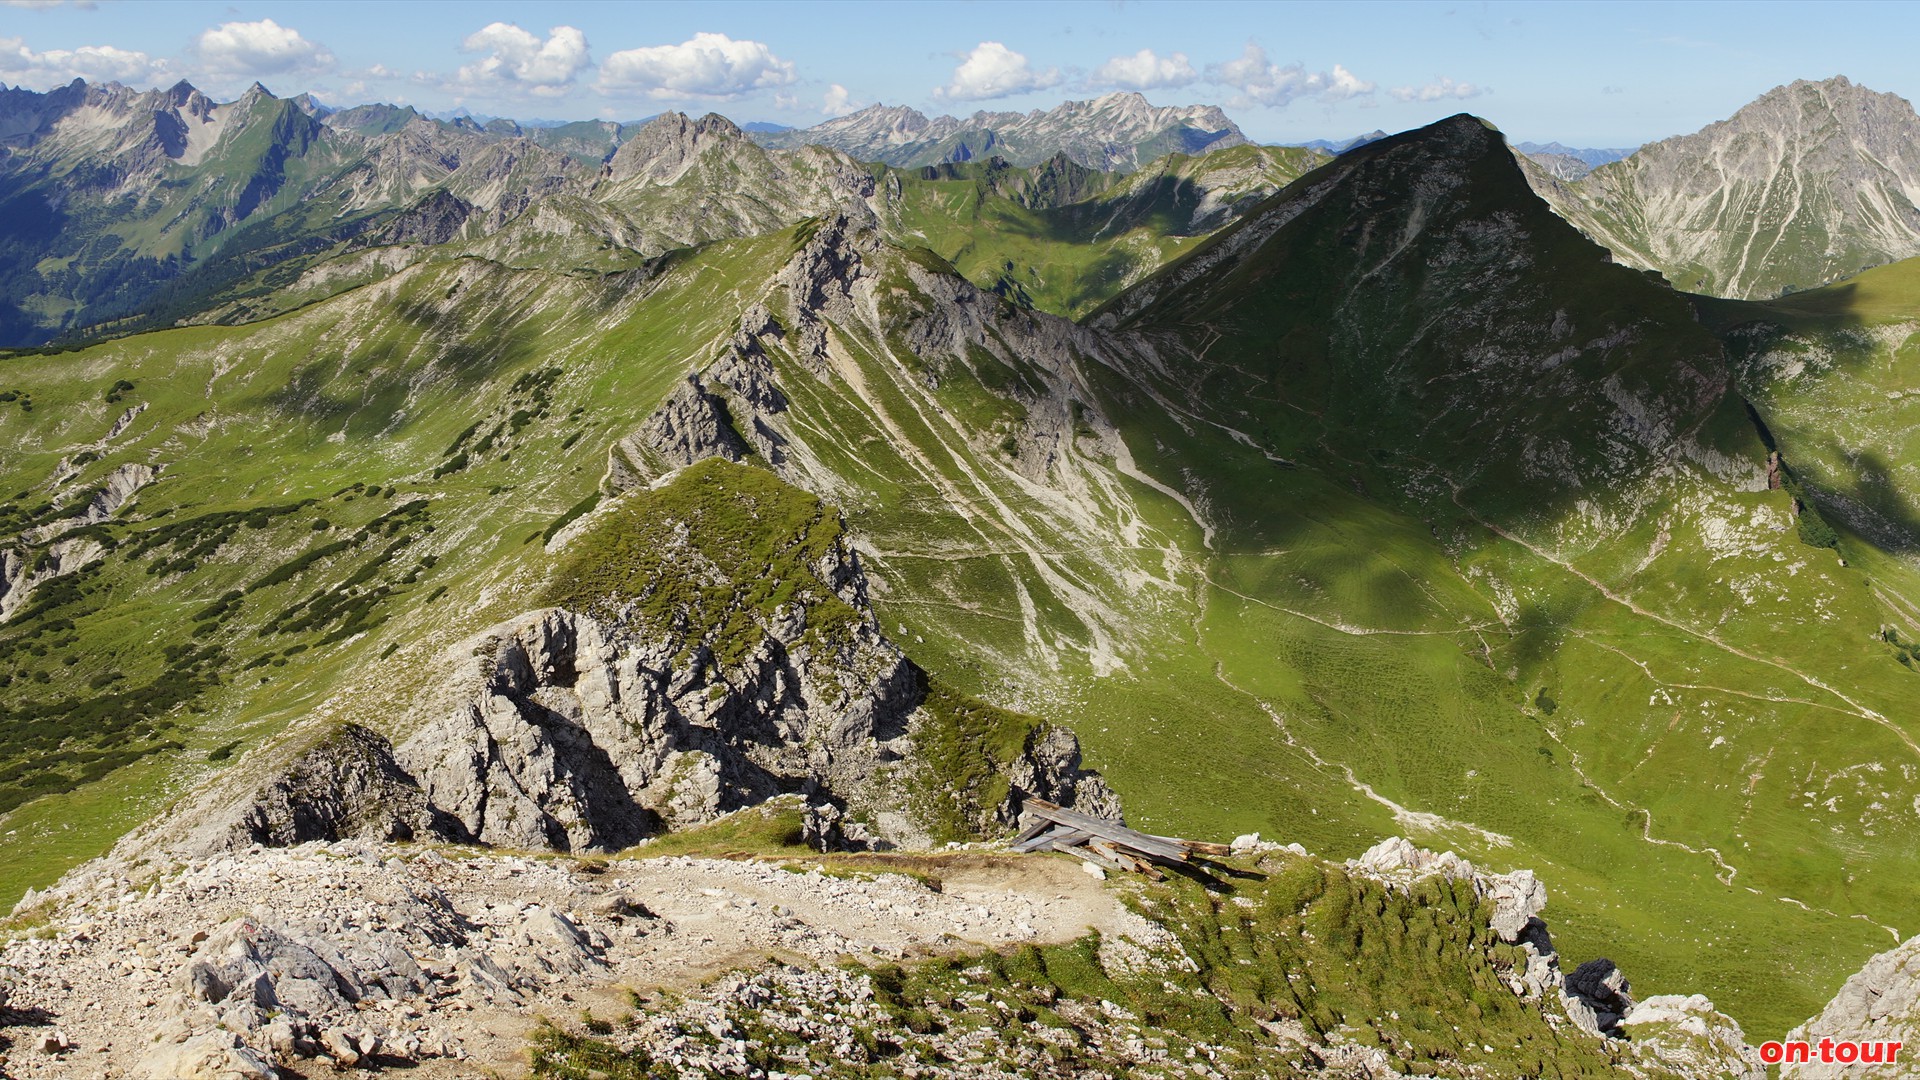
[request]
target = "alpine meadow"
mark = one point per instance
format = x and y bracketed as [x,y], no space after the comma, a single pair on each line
[1092,590]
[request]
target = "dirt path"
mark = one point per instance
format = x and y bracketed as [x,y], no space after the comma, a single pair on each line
[113,972]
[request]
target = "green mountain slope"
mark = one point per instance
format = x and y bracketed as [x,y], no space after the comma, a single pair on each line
[1394,508]
[1831,371]
[1564,436]
[1063,239]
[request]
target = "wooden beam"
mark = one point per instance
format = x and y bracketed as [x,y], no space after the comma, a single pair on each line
[1199,847]
[1099,858]
[1039,826]
[1043,840]
[1138,863]
[1107,830]
[1066,838]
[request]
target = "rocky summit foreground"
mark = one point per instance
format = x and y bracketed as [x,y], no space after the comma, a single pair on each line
[452,961]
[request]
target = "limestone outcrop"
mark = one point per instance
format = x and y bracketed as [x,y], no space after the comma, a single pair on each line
[1686,1034]
[1881,1002]
[346,785]
[566,731]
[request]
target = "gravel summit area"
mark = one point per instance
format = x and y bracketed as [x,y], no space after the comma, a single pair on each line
[361,954]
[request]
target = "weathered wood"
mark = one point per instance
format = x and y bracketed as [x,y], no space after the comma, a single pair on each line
[1103,843]
[1039,826]
[1130,860]
[1043,840]
[1061,841]
[1098,858]
[1197,847]
[1107,830]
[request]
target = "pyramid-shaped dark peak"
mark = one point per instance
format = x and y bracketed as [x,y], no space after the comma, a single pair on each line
[1459,134]
[1415,294]
[1391,204]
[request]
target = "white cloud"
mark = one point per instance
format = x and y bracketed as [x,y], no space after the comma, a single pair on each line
[94,63]
[708,66]
[518,60]
[1145,70]
[992,70]
[1262,82]
[258,50]
[1440,89]
[837,102]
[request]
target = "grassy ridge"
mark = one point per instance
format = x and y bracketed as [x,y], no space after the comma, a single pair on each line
[302,537]
[1415,973]
[1069,256]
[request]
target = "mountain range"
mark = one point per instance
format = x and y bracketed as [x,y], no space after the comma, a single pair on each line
[1114,132]
[445,483]
[129,209]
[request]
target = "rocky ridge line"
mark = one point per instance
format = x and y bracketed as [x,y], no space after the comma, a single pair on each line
[361,954]
[565,731]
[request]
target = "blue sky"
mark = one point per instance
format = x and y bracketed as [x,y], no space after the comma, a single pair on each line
[1588,74]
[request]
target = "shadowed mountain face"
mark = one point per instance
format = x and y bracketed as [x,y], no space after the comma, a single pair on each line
[1410,325]
[1413,306]
[1811,182]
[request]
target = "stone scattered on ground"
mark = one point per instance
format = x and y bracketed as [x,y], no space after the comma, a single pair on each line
[334,956]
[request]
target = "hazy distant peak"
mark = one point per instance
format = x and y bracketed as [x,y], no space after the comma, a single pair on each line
[1120,130]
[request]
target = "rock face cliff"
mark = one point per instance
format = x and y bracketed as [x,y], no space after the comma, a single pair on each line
[1879,1004]
[1807,184]
[347,785]
[690,672]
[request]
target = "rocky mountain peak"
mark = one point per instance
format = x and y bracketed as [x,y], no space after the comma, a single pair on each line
[1808,183]
[663,148]
[1121,130]
[313,107]
[252,98]
[900,122]
[1129,99]
[1846,102]
[1132,107]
